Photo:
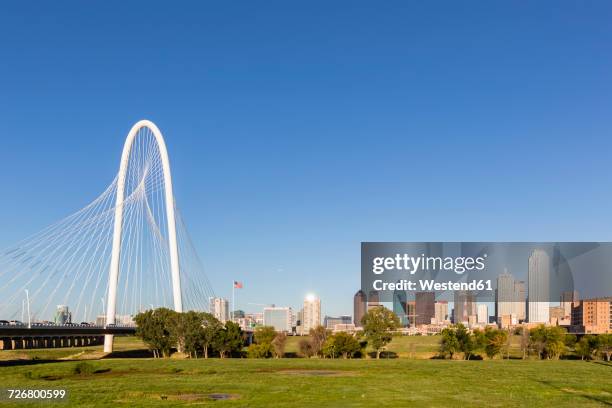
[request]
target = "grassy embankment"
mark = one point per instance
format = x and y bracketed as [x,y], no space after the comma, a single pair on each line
[126,381]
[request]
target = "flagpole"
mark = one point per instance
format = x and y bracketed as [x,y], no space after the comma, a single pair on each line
[233,300]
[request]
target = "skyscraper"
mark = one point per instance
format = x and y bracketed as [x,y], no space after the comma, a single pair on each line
[62,315]
[411,312]
[441,311]
[483,314]
[505,295]
[359,307]
[219,307]
[520,296]
[281,318]
[329,321]
[373,299]
[510,297]
[465,306]
[568,299]
[538,282]
[399,306]
[425,307]
[312,313]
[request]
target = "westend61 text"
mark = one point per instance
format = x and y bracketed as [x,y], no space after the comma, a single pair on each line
[428,285]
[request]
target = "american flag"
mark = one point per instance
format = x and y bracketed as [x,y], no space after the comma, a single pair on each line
[237,285]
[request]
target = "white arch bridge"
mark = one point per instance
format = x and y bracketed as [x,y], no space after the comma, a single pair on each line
[125,252]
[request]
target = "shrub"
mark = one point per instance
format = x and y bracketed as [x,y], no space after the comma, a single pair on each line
[259,350]
[341,344]
[278,345]
[83,368]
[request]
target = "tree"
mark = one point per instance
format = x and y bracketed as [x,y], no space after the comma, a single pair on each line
[211,329]
[605,345]
[537,340]
[262,347]
[188,331]
[264,334]
[306,349]
[377,326]
[466,341]
[229,339]
[329,348]
[278,345]
[495,341]
[547,342]
[583,347]
[448,342]
[555,342]
[589,346]
[154,327]
[345,344]
[478,341]
[318,335]
[570,340]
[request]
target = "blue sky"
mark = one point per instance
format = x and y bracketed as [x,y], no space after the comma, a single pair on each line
[296,131]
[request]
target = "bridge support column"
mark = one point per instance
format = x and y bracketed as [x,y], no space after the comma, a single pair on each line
[17,343]
[7,343]
[108,343]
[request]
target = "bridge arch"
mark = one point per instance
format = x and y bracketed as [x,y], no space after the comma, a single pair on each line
[118,224]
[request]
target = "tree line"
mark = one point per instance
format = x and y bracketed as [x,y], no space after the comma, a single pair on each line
[200,334]
[193,333]
[545,342]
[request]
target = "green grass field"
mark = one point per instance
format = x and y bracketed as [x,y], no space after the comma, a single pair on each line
[403,346]
[416,347]
[132,382]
